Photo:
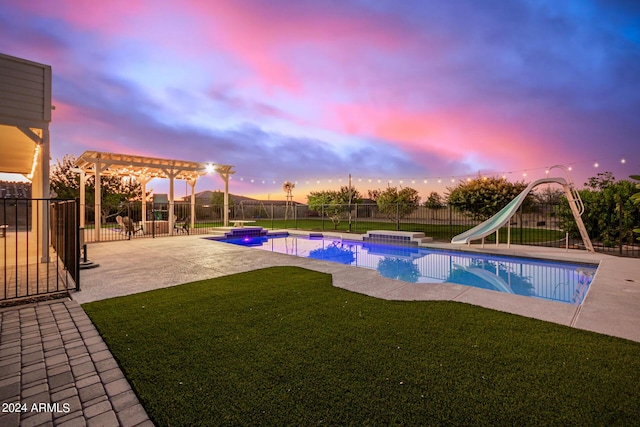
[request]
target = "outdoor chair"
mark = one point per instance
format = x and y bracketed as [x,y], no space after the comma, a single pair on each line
[126,225]
[182,226]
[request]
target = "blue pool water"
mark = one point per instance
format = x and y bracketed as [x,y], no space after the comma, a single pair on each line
[550,280]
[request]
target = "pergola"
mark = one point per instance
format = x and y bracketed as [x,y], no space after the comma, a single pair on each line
[25,114]
[144,169]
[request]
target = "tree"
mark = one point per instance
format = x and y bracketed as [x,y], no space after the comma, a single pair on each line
[434,201]
[114,190]
[373,194]
[549,196]
[635,198]
[326,202]
[397,203]
[609,210]
[483,197]
[62,180]
[217,202]
[334,203]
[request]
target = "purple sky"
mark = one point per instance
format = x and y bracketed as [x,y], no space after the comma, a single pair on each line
[312,90]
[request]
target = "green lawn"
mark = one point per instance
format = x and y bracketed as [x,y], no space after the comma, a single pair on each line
[281,346]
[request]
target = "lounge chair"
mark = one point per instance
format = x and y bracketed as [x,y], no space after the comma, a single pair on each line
[182,226]
[126,225]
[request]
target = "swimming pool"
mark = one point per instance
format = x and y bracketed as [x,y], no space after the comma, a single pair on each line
[550,280]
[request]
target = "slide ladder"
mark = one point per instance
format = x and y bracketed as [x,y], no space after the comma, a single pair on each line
[494,223]
[577,208]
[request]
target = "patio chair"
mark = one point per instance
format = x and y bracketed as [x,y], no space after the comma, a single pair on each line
[126,225]
[182,226]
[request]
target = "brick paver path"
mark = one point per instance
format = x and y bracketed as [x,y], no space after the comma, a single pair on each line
[55,369]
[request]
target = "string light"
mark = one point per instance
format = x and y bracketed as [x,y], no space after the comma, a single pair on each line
[36,153]
[434,179]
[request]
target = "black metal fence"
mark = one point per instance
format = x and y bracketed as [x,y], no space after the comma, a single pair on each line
[539,225]
[38,261]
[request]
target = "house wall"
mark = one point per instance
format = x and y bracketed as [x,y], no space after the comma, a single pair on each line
[25,92]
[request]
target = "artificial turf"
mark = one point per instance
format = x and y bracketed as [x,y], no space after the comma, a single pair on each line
[282,346]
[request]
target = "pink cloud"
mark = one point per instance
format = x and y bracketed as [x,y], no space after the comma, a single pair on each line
[271,37]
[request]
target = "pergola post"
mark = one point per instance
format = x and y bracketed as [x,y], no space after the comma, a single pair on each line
[83,197]
[98,169]
[225,171]
[96,207]
[143,179]
[171,174]
[192,183]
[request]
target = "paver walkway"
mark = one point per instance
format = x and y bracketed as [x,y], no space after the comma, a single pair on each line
[55,369]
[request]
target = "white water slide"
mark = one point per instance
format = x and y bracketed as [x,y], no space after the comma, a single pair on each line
[497,221]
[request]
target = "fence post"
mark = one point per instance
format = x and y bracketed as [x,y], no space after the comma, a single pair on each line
[77,244]
[520,211]
[620,225]
[356,218]
[397,216]
[322,216]
[450,222]
[272,216]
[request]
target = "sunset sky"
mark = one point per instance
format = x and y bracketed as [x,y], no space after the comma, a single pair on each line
[311,91]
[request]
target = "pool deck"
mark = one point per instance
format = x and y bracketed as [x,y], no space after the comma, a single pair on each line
[51,353]
[612,304]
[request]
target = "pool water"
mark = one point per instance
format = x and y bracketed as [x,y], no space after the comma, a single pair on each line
[550,280]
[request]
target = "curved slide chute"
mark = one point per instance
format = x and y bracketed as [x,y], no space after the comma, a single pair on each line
[501,218]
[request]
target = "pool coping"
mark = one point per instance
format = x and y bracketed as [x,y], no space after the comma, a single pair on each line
[126,267]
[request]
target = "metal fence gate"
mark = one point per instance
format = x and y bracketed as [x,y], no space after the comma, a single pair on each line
[38,262]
